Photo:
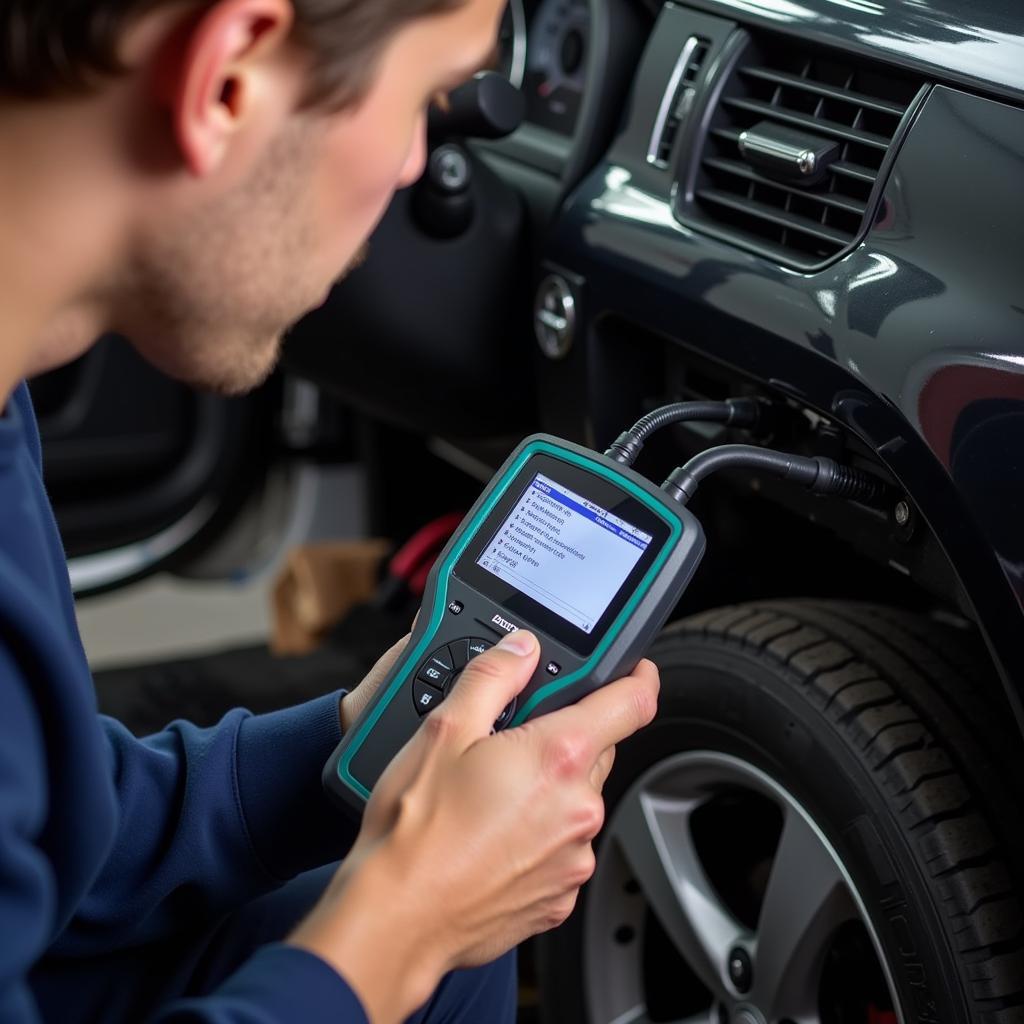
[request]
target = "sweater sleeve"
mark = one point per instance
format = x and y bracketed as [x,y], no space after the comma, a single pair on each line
[27,885]
[278,985]
[210,818]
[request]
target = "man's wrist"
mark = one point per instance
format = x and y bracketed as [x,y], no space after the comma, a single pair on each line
[349,707]
[374,939]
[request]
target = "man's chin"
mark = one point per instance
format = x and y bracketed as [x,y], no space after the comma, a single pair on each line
[355,262]
[226,370]
[241,379]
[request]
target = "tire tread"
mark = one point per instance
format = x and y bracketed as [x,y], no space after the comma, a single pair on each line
[905,694]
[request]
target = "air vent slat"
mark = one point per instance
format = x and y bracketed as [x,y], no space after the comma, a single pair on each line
[803,187]
[848,170]
[677,101]
[747,173]
[809,123]
[774,216]
[819,89]
[727,134]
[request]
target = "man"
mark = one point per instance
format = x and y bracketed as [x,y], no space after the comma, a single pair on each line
[195,174]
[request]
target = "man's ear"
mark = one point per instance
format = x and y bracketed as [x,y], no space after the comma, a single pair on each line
[214,85]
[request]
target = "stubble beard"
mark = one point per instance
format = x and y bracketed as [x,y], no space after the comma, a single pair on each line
[211,300]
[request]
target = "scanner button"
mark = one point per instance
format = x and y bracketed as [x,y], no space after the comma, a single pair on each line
[455,607]
[478,647]
[553,668]
[442,659]
[433,675]
[425,697]
[459,653]
[506,716]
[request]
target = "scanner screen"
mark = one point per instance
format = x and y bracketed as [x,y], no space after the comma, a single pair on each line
[564,551]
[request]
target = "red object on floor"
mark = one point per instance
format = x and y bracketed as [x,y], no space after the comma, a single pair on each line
[877,1016]
[414,559]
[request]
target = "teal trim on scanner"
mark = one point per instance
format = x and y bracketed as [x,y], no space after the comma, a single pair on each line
[410,660]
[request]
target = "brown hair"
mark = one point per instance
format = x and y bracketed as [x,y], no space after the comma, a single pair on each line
[49,47]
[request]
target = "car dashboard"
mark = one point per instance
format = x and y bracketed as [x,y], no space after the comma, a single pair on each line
[816,202]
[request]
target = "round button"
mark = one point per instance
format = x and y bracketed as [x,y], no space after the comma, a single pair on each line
[476,646]
[442,659]
[459,654]
[449,168]
[434,675]
[425,697]
[554,317]
[506,716]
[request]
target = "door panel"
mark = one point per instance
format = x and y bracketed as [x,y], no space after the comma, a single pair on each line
[137,464]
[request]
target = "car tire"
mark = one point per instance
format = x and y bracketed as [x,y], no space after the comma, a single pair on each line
[871,737]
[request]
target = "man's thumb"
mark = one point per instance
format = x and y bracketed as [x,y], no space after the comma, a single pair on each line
[491,680]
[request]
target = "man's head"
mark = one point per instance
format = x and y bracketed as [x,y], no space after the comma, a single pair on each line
[221,162]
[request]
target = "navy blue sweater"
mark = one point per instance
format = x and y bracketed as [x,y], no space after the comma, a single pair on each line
[107,841]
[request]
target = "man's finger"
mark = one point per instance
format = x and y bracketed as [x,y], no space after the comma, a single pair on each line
[602,769]
[490,681]
[355,700]
[395,780]
[611,714]
[385,662]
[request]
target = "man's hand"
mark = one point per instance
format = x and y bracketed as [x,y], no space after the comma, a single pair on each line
[353,702]
[472,842]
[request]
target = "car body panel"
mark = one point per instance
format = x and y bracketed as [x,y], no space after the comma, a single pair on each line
[976,44]
[915,340]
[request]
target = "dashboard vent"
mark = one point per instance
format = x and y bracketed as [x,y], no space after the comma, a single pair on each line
[798,105]
[678,100]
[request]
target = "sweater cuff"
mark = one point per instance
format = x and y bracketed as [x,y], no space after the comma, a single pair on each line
[284,984]
[278,764]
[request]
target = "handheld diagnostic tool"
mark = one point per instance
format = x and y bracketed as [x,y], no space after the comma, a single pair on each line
[572,545]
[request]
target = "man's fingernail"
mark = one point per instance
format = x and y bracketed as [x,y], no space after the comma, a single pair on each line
[518,643]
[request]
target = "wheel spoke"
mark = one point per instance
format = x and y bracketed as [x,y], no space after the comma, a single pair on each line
[806,900]
[638,1015]
[654,835]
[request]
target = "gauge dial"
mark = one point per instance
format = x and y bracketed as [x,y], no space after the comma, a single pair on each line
[511,59]
[556,64]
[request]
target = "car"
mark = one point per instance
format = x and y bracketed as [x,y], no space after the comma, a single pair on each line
[814,203]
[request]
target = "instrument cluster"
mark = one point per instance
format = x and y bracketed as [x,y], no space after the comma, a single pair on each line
[543,50]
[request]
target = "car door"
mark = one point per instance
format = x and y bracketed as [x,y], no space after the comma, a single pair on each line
[144,473]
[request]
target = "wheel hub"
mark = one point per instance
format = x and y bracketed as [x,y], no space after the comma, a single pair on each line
[746,1015]
[741,971]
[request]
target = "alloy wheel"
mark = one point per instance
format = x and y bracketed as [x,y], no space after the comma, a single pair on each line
[718,900]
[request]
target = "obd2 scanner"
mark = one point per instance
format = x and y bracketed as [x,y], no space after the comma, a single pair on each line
[585,553]
[579,549]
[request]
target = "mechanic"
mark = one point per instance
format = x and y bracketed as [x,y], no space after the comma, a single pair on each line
[195,175]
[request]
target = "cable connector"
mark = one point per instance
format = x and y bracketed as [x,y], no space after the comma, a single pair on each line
[733,412]
[816,473]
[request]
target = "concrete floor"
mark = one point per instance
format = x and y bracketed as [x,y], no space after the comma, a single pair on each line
[165,617]
[168,617]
